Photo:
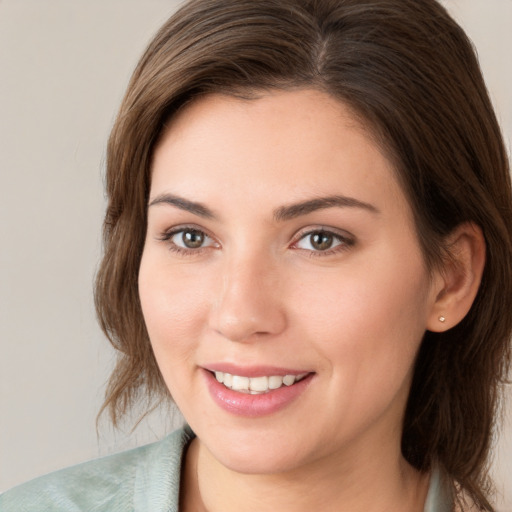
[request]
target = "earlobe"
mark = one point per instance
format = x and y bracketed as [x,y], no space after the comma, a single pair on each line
[457,282]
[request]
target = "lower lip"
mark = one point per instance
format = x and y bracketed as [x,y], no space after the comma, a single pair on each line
[244,404]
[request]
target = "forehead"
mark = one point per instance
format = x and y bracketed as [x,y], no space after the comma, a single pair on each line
[303,141]
[302,113]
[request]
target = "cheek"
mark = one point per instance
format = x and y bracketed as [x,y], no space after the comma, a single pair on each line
[371,318]
[367,328]
[174,308]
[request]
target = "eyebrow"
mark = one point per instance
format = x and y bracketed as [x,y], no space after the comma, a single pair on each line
[298,209]
[184,204]
[281,214]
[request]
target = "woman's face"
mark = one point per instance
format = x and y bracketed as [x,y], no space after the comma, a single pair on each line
[281,254]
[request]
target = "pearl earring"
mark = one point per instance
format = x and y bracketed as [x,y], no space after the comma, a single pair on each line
[442,319]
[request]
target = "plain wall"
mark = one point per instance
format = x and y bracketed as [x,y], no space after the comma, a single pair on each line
[63,69]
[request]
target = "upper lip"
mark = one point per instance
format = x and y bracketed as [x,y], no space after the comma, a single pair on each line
[253,370]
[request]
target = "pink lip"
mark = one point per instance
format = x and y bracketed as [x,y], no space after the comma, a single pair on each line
[252,371]
[243,404]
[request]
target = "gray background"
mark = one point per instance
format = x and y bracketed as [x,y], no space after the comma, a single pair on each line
[64,65]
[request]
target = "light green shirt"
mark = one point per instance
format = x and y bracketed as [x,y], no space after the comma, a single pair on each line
[146,479]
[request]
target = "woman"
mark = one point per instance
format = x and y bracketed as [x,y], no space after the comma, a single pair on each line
[308,246]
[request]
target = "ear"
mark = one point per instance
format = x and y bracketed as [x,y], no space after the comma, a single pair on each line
[456,284]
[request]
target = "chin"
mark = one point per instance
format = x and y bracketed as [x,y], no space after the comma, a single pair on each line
[262,463]
[256,453]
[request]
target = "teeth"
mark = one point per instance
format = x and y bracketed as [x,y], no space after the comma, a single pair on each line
[288,380]
[227,380]
[240,383]
[275,382]
[256,385]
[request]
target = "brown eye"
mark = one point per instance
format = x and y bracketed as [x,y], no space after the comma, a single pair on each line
[189,239]
[192,239]
[321,241]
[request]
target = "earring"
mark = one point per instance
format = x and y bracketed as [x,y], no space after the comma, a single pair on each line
[442,319]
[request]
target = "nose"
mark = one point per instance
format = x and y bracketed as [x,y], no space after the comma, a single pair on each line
[249,304]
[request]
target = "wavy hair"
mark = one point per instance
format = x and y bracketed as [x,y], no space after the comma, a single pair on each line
[410,72]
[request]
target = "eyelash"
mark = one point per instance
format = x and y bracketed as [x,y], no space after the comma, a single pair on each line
[344,241]
[167,236]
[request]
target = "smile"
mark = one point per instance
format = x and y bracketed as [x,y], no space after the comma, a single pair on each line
[257,385]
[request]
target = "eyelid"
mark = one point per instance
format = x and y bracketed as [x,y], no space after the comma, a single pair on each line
[347,239]
[170,231]
[167,235]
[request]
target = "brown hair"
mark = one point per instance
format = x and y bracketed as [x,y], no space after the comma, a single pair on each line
[410,72]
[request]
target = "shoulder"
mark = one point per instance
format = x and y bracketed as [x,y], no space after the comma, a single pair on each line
[113,483]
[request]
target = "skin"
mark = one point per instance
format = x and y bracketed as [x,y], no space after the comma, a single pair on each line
[257,292]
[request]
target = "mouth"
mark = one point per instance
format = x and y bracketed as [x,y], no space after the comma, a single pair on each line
[255,391]
[257,385]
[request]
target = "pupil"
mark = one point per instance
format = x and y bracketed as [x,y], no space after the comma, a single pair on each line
[321,241]
[193,239]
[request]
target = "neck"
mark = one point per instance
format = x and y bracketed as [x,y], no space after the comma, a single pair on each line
[379,482]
